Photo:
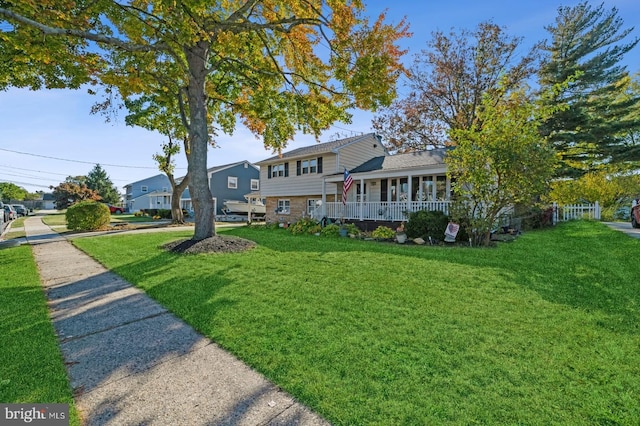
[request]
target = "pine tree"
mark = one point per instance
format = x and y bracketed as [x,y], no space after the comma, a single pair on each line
[99,181]
[586,49]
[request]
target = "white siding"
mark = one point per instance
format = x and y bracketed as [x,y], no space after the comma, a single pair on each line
[309,184]
[359,152]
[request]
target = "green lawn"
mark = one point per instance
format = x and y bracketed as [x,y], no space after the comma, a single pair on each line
[55,219]
[544,330]
[31,365]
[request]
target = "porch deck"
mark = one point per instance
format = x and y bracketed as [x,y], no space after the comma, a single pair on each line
[393,211]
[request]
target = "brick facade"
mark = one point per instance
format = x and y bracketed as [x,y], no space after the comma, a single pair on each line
[298,208]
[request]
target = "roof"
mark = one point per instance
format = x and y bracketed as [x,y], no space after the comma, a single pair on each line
[216,169]
[146,179]
[432,157]
[321,148]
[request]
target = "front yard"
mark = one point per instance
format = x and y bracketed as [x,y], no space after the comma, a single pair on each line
[540,331]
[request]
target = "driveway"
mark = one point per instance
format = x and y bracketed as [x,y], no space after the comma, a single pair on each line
[624,227]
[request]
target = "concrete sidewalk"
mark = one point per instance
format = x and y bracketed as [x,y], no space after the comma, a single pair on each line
[131,362]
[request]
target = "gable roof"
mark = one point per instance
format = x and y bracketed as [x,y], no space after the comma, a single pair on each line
[432,157]
[322,148]
[147,179]
[216,169]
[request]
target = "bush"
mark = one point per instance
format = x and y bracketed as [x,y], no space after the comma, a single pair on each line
[305,226]
[88,216]
[332,230]
[383,233]
[425,224]
[352,229]
[535,217]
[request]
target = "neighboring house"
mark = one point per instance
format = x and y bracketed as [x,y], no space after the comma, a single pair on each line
[151,193]
[48,202]
[308,182]
[232,182]
[227,182]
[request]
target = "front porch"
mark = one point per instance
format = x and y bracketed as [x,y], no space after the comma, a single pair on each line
[387,211]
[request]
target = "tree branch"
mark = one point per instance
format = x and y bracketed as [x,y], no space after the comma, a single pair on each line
[99,38]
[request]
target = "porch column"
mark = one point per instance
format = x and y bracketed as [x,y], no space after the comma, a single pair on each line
[434,180]
[448,188]
[362,194]
[409,192]
[323,209]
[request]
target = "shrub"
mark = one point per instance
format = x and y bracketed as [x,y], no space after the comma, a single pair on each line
[352,229]
[332,230]
[427,223]
[87,216]
[305,226]
[383,233]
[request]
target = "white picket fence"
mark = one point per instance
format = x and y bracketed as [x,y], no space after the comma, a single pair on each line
[575,211]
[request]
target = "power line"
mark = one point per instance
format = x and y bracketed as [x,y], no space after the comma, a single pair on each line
[12,168]
[24,183]
[82,162]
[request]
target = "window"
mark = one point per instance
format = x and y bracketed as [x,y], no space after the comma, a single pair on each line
[284,206]
[441,188]
[306,167]
[278,170]
[144,188]
[232,182]
[427,188]
[312,204]
[361,195]
[255,184]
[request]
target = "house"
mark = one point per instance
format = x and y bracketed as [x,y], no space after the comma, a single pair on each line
[227,182]
[232,182]
[48,202]
[151,193]
[308,181]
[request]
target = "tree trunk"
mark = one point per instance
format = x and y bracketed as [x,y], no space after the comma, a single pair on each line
[199,137]
[176,194]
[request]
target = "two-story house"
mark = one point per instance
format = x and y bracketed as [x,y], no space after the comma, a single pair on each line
[308,181]
[150,193]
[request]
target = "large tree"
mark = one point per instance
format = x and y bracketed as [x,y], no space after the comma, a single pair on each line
[586,48]
[98,180]
[68,193]
[10,191]
[498,162]
[282,66]
[448,81]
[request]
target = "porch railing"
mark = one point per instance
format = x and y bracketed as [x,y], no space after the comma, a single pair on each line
[394,211]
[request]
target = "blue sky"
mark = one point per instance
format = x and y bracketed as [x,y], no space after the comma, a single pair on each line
[39,129]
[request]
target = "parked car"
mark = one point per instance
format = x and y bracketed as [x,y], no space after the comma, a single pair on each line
[635,214]
[20,209]
[11,212]
[115,209]
[4,216]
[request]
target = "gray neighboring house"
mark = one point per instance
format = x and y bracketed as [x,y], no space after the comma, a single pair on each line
[151,193]
[227,182]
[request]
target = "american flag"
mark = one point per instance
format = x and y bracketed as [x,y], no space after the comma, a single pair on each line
[348,180]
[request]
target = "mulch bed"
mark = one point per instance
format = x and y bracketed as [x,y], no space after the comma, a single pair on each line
[215,244]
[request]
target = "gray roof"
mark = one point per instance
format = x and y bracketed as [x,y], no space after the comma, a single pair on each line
[321,148]
[432,157]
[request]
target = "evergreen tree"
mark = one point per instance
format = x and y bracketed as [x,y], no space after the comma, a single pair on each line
[99,181]
[586,48]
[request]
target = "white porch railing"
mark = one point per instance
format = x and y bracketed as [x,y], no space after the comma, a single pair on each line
[576,211]
[394,211]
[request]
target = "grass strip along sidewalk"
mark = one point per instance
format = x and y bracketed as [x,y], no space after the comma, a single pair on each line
[31,365]
[544,330]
